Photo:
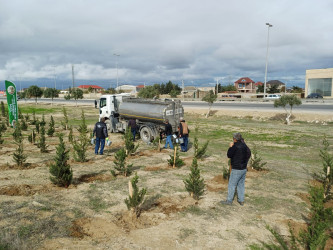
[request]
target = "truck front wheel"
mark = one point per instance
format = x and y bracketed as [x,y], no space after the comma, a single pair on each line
[108,125]
[146,134]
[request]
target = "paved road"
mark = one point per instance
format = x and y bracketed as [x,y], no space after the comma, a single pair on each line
[312,106]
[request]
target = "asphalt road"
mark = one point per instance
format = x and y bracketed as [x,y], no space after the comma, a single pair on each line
[307,105]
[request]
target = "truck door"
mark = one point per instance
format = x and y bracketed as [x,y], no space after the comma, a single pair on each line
[103,107]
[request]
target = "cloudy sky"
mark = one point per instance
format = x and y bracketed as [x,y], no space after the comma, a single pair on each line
[157,41]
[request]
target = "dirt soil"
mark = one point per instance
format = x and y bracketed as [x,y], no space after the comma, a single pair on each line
[91,213]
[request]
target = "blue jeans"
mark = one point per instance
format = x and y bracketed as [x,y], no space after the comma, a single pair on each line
[133,130]
[184,145]
[237,179]
[168,141]
[99,142]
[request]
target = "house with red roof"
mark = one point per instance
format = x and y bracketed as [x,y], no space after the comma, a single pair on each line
[95,88]
[245,85]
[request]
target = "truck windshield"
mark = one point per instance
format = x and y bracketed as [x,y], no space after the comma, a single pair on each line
[102,102]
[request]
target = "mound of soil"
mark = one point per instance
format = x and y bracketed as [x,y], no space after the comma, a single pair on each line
[218,183]
[25,190]
[94,177]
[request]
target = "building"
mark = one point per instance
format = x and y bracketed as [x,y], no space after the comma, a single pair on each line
[127,89]
[95,88]
[275,83]
[319,81]
[245,85]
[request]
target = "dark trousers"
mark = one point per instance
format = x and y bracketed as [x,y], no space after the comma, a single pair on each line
[99,142]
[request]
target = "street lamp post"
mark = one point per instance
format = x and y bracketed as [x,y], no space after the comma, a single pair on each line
[117,66]
[268,26]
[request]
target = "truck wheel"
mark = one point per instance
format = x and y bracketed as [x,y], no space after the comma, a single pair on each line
[108,125]
[146,134]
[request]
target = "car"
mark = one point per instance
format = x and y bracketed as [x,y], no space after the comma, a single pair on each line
[273,96]
[314,95]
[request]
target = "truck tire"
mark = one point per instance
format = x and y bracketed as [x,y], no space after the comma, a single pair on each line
[108,125]
[146,134]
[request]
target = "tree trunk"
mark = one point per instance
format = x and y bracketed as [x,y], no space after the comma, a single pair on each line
[208,111]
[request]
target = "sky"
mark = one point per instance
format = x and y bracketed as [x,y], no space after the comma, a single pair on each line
[150,41]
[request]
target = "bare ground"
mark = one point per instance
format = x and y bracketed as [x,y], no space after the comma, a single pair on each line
[91,213]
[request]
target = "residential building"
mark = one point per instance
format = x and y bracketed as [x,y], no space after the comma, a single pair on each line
[245,85]
[275,83]
[319,81]
[95,88]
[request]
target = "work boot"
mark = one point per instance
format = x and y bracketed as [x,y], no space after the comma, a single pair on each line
[226,203]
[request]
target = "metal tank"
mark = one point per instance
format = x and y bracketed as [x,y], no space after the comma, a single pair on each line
[153,111]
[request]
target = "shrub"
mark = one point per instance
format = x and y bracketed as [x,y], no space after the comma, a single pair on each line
[32,137]
[175,162]
[135,197]
[64,122]
[120,164]
[226,173]
[194,184]
[256,161]
[18,155]
[80,145]
[42,141]
[60,170]
[51,129]
[17,134]
[129,144]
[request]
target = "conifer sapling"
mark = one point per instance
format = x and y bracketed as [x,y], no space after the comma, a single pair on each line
[194,184]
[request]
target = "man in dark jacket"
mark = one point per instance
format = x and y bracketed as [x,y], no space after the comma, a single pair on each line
[239,153]
[101,132]
[168,134]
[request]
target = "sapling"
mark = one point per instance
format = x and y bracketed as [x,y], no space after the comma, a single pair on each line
[327,174]
[226,173]
[80,145]
[194,184]
[33,122]
[20,116]
[64,123]
[18,156]
[60,170]
[199,152]
[129,144]
[51,128]
[174,160]
[42,122]
[70,134]
[27,117]
[42,141]
[24,125]
[37,124]
[120,164]
[135,197]
[32,137]
[1,140]
[256,161]
[17,134]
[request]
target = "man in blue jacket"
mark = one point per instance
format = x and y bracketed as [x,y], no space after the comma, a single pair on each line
[239,153]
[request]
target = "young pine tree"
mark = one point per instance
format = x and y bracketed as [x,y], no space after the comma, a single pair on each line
[24,125]
[27,117]
[256,161]
[32,137]
[3,110]
[42,141]
[64,122]
[70,135]
[60,170]
[20,116]
[120,164]
[42,122]
[194,184]
[129,144]
[18,155]
[51,129]
[3,126]
[80,145]
[1,140]
[33,122]
[327,175]
[135,197]
[17,134]
[199,152]
[178,162]
[37,124]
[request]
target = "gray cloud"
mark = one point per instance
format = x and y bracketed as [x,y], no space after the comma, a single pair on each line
[158,41]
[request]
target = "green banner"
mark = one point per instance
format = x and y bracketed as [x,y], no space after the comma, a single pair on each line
[12,102]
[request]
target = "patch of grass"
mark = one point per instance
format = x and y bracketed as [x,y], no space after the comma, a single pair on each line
[195,210]
[186,232]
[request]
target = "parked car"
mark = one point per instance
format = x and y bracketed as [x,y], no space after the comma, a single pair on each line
[273,96]
[315,95]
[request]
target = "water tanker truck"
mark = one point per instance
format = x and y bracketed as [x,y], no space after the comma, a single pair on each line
[149,114]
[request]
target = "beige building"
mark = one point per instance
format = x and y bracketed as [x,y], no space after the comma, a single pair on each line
[319,81]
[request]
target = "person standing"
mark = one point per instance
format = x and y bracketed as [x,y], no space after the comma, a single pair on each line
[239,153]
[95,104]
[183,133]
[132,125]
[168,134]
[101,132]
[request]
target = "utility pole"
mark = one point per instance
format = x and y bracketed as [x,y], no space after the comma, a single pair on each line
[73,75]
[268,26]
[183,90]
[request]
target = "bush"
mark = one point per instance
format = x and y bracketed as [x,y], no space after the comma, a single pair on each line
[60,170]
[176,162]
[42,141]
[17,134]
[226,173]
[51,129]
[129,144]
[135,197]
[120,164]
[80,145]
[256,161]
[18,155]
[194,184]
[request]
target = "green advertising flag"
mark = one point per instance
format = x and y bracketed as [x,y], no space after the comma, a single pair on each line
[12,102]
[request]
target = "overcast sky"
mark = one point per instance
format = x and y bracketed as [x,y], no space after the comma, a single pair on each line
[157,41]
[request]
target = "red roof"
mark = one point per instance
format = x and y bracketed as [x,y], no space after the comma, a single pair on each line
[140,86]
[258,84]
[87,87]
[244,80]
